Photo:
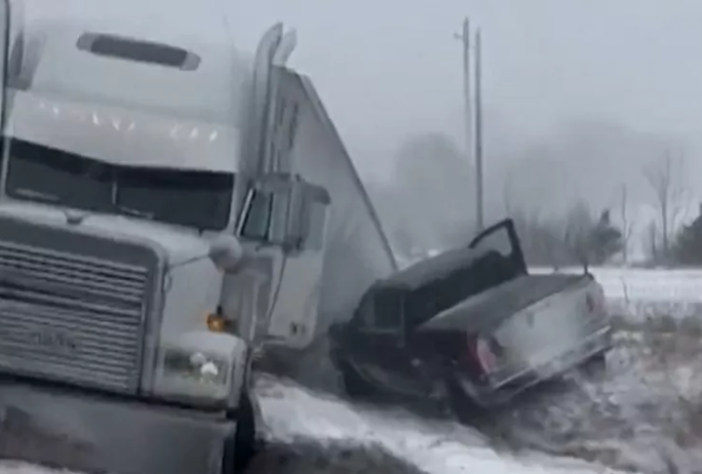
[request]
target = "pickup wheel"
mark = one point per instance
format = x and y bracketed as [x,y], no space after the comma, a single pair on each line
[464,408]
[240,449]
[596,364]
[353,383]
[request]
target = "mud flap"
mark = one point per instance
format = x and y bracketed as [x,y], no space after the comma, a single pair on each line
[21,438]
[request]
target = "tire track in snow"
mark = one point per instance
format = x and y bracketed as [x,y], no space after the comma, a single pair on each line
[642,413]
[295,416]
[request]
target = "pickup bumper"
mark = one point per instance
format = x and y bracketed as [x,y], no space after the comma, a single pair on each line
[92,432]
[489,396]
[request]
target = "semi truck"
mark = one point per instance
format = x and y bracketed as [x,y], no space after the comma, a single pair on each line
[168,207]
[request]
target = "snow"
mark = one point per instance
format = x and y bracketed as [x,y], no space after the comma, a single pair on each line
[641,293]
[444,447]
[639,415]
[645,284]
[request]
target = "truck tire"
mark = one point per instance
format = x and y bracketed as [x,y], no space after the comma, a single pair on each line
[240,449]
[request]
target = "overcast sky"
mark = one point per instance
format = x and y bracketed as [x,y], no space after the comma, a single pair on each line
[388,68]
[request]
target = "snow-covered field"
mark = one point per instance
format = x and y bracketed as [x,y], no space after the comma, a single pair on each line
[639,294]
[642,414]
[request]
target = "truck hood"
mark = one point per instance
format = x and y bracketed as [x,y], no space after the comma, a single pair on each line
[179,244]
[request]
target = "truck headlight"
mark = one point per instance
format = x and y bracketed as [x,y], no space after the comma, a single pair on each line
[199,367]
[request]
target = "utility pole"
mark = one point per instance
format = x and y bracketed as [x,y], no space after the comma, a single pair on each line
[464,36]
[480,198]
[473,137]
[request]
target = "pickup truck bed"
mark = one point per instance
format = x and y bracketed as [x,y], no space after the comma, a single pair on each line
[487,310]
[534,327]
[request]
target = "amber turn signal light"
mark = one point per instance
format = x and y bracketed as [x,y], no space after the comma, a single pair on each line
[217,323]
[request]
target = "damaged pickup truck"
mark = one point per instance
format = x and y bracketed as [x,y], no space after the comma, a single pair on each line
[470,329]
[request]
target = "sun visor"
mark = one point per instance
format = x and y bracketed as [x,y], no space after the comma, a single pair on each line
[122,136]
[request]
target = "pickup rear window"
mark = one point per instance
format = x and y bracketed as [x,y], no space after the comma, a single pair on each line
[442,293]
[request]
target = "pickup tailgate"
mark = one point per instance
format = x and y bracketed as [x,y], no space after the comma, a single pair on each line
[535,324]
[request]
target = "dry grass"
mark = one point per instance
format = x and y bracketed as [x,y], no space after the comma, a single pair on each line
[642,414]
[656,324]
[670,345]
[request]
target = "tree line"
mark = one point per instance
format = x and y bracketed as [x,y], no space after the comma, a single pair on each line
[429,206]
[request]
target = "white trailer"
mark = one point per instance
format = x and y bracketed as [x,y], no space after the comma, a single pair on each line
[165,210]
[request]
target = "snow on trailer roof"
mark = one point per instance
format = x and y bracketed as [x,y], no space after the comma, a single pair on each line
[431,268]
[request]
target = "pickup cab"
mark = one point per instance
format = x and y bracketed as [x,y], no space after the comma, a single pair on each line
[470,328]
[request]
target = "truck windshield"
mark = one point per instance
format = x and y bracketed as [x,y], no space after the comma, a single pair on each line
[200,199]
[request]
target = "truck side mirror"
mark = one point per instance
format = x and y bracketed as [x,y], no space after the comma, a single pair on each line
[264,211]
[280,204]
[288,206]
[284,210]
[307,216]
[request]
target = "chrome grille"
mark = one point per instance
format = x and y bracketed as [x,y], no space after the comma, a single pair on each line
[72,315]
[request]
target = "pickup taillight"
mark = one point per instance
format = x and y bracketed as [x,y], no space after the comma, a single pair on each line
[485,352]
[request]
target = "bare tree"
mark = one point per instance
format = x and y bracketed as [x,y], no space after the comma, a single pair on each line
[578,225]
[652,242]
[627,226]
[666,180]
[434,178]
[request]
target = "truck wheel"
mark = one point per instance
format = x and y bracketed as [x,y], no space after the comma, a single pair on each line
[240,449]
[353,384]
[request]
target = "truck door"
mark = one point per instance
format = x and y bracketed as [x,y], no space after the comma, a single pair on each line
[294,314]
[290,229]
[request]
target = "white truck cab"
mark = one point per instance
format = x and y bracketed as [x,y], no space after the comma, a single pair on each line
[149,227]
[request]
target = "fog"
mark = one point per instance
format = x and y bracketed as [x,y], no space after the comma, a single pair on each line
[599,89]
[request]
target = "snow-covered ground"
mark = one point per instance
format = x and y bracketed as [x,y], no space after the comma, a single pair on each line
[296,415]
[642,414]
[684,285]
[638,415]
[641,293]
